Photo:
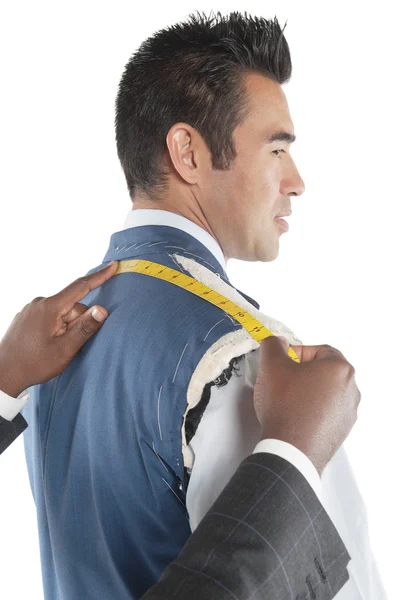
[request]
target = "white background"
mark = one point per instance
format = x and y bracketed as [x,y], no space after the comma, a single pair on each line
[335,281]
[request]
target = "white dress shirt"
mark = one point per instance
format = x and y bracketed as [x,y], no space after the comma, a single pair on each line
[10,407]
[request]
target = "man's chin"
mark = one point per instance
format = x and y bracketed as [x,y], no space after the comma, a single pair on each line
[268,254]
[258,254]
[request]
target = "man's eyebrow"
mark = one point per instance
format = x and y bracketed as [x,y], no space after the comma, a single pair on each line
[281,136]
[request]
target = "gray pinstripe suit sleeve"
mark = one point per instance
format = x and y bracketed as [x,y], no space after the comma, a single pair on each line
[10,430]
[267,537]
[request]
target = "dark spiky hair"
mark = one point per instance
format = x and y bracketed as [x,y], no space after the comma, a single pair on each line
[192,73]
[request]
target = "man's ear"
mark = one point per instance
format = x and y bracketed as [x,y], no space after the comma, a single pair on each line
[186,150]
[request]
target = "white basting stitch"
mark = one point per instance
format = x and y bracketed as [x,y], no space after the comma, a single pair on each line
[223,277]
[130,247]
[175,262]
[232,320]
[160,459]
[178,247]
[212,328]
[159,423]
[178,364]
[212,267]
[141,245]
[200,257]
[120,249]
[156,244]
[173,492]
[196,255]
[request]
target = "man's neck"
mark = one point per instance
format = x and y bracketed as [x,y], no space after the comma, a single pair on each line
[192,213]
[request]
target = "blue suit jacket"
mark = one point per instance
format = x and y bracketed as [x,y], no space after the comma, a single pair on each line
[103,446]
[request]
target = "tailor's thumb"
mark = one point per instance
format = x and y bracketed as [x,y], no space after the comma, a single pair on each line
[274,347]
[85,326]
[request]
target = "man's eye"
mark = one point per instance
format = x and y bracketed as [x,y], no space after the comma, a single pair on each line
[277,152]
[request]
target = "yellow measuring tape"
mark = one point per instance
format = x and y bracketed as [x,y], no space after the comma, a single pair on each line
[254,327]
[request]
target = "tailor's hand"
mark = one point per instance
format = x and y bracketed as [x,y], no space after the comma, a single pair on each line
[46,335]
[312,404]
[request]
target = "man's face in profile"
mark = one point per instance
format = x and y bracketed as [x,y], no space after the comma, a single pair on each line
[247,198]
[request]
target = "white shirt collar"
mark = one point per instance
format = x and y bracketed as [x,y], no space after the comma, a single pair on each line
[144,216]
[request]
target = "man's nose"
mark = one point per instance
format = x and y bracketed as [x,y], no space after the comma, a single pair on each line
[292,184]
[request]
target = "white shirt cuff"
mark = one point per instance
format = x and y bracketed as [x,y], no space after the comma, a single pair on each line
[10,407]
[296,458]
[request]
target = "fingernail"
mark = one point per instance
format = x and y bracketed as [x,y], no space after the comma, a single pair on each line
[98,315]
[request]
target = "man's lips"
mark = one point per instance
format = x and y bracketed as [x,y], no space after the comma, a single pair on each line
[281,222]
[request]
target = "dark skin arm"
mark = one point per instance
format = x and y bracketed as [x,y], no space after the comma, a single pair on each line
[45,336]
